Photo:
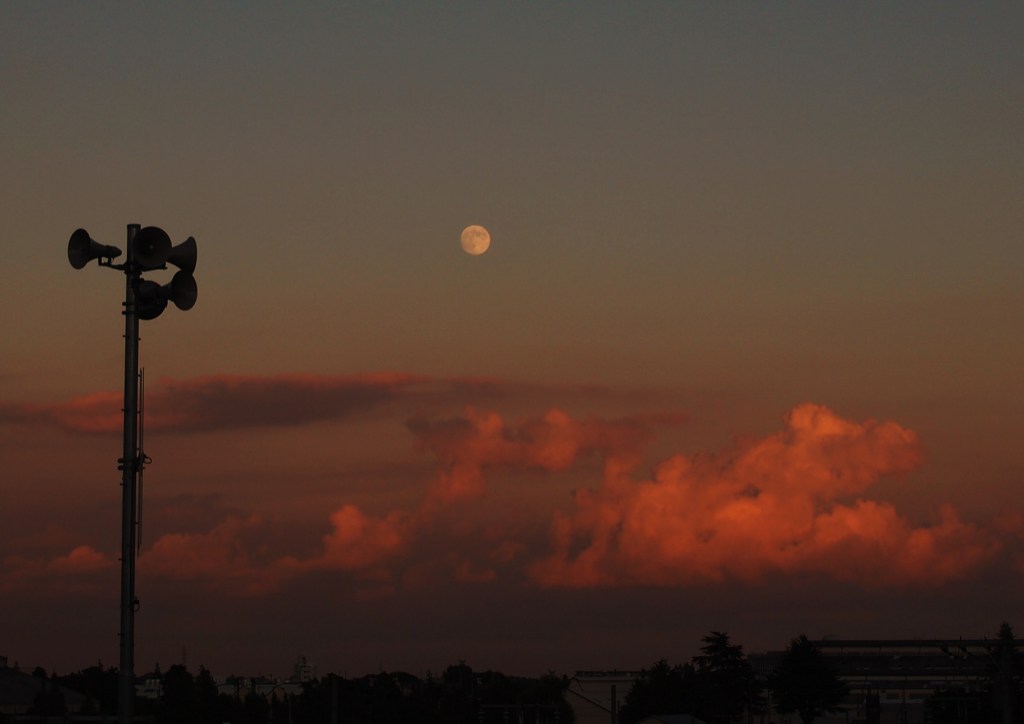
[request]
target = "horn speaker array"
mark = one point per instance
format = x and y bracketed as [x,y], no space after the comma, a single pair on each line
[151,249]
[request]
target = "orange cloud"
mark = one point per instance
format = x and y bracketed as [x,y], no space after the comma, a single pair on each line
[230,556]
[92,413]
[74,572]
[81,559]
[359,541]
[364,544]
[788,503]
[220,556]
[796,502]
[466,446]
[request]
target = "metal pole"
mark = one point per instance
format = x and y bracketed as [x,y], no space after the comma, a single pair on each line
[129,477]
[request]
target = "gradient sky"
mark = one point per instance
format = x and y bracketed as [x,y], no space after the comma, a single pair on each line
[744,355]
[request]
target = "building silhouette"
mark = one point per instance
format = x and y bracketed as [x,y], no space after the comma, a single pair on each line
[891,680]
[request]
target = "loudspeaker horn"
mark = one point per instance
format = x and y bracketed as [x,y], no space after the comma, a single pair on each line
[184,255]
[151,247]
[82,249]
[182,290]
[150,302]
[153,250]
[151,298]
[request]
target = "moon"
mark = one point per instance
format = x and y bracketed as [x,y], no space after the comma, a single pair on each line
[475,240]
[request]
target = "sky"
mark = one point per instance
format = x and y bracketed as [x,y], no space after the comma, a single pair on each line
[743,355]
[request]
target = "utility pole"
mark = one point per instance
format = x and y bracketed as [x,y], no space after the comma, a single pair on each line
[148,249]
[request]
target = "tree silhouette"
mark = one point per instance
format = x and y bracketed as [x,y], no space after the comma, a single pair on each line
[458,702]
[1005,675]
[214,707]
[255,709]
[660,689]
[805,682]
[179,703]
[724,685]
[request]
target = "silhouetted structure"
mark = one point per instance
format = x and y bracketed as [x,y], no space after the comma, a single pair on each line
[890,681]
[149,249]
[597,696]
[24,694]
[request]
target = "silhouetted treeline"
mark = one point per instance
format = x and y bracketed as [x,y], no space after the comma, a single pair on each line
[458,696]
[717,686]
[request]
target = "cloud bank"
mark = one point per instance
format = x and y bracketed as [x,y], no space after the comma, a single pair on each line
[797,502]
[794,502]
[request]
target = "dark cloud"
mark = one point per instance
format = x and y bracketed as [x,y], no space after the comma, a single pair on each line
[227,402]
[222,402]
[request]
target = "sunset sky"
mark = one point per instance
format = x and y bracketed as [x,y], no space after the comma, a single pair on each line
[745,353]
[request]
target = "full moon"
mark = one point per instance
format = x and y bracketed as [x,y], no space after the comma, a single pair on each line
[475,240]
